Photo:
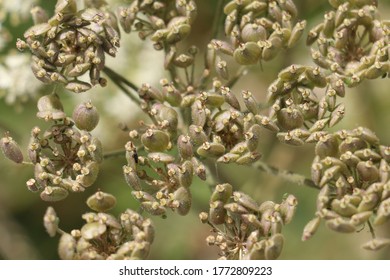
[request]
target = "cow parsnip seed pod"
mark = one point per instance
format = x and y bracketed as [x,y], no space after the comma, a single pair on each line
[248,53]
[86,116]
[101,202]
[11,149]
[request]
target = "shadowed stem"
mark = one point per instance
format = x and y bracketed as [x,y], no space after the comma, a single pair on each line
[217,19]
[286,175]
[120,81]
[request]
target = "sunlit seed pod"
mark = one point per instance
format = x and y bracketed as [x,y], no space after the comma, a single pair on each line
[211,149]
[183,196]
[235,208]
[198,113]
[367,135]
[341,225]
[50,221]
[270,48]
[213,99]
[248,53]
[11,149]
[316,77]
[327,146]
[267,123]
[67,247]
[234,5]
[368,154]
[101,202]
[154,208]
[78,86]
[383,212]
[53,194]
[384,171]
[343,208]
[246,201]
[250,102]
[274,246]
[221,68]
[288,208]
[330,174]
[155,140]
[158,157]
[313,34]
[296,33]
[310,228]
[385,152]
[177,32]
[248,158]
[361,218]
[93,230]
[316,172]
[292,72]
[369,202]
[376,244]
[90,175]
[217,212]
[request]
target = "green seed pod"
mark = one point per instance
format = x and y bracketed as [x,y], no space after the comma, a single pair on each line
[274,246]
[161,158]
[177,32]
[86,116]
[228,158]
[153,208]
[248,53]
[252,137]
[183,196]
[212,149]
[341,225]
[291,72]
[222,192]
[186,172]
[11,149]
[296,33]
[89,174]
[212,99]
[50,221]
[53,194]
[198,113]
[316,77]
[183,60]
[217,212]
[50,106]
[376,244]
[352,144]
[289,138]
[67,247]
[310,228]
[327,146]
[155,140]
[132,178]
[266,123]
[101,202]
[93,230]
[253,32]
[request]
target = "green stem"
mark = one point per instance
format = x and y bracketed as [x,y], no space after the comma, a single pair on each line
[372,231]
[113,154]
[119,81]
[217,19]
[286,175]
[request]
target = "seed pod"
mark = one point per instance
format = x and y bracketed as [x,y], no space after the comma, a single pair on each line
[376,244]
[11,149]
[235,208]
[361,218]
[248,53]
[53,194]
[66,247]
[141,251]
[155,140]
[327,146]
[289,118]
[183,196]
[93,230]
[296,33]
[310,228]
[78,86]
[198,114]
[221,68]
[86,116]
[131,178]
[289,138]
[217,212]
[341,225]
[352,144]
[212,149]
[343,208]
[369,202]
[288,208]
[222,192]
[101,202]
[246,201]
[89,174]
[274,246]
[184,146]
[253,32]
[230,98]
[186,171]
[257,252]
[50,221]
[383,212]
[367,171]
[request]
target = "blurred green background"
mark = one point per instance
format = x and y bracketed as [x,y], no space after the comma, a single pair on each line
[22,235]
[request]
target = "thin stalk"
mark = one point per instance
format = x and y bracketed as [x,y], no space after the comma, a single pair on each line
[286,175]
[372,231]
[113,154]
[217,19]
[120,81]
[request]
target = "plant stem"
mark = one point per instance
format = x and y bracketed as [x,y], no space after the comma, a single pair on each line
[217,19]
[372,231]
[286,175]
[119,81]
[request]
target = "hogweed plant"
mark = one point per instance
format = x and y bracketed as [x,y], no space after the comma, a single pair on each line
[197,120]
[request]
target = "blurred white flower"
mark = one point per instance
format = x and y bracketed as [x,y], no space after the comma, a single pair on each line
[17,82]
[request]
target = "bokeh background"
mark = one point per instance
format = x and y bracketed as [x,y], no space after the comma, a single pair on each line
[22,235]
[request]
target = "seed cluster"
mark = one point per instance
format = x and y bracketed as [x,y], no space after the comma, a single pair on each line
[71,43]
[352,41]
[352,169]
[66,157]
[250,230]
[103,236]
